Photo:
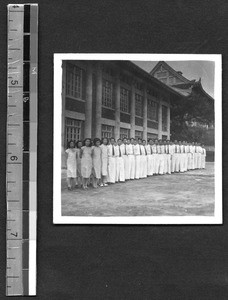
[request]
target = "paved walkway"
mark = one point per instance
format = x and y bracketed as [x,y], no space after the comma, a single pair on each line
[188,194]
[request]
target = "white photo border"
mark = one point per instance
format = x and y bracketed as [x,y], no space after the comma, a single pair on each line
[163,220]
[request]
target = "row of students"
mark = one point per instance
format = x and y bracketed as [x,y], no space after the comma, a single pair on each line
[110,161]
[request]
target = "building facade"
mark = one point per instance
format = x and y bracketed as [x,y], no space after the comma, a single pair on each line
[112,99]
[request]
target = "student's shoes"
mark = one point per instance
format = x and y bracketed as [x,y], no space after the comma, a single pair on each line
[69,188]
[101,185]
[105,184]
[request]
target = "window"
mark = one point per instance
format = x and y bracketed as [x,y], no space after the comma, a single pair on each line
[151,136]
[138,105]
[152,110]
[124,132]
[107,131]
[164,117]
[138,134]
[73,130]
[107,95]
[124,100]
[74,81]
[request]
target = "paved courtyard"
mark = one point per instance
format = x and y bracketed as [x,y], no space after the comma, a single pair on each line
[188,194]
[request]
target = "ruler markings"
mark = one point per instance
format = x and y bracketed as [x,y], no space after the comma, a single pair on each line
[23,282]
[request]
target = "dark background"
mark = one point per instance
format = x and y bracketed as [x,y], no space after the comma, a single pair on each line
[120,262]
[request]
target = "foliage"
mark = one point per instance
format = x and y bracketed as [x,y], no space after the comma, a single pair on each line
[185,111]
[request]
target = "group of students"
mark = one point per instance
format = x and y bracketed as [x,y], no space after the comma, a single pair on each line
[106,161]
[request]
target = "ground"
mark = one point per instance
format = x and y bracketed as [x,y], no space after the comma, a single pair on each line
[179,194]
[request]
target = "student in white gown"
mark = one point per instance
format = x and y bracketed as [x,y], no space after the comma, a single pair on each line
[177,157]
[79,145]
[136,149]
[71,162]
[165,156]
[168,156]
[123,148]
[203,157]
[96,160]
[86,162]
[143,159]
[149,159]
[120,176]
[111,161]
[131,157]
[104,161]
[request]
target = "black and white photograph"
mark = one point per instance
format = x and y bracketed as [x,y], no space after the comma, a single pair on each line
[137,139]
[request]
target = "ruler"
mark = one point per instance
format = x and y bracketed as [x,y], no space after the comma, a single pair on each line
[21,164]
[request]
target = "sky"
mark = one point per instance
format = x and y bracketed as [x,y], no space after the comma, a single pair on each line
[190,69]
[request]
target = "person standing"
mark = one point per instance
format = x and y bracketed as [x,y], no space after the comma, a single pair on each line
[120,176]
[177,157]
[86,162]
[136,149]
[165,156]
[111,161]
[131,157]
[104,161]
[203,157]
[181,155]
[161,157]
[149,158]
[143,159]
[168,156]
[189,156]
[194,156]
[123,148]
[155,147]
[71,165]
[78,158]
[96,161]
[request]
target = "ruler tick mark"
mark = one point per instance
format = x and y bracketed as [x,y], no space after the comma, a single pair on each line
[13,201]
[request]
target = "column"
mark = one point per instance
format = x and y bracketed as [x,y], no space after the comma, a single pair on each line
[168,122]
[159,119]
[117,106]
[98,101]
[144,113]
[63,113]
[132,117]
[88,103]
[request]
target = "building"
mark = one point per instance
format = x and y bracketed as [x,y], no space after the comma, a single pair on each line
[186,88]
[113,98]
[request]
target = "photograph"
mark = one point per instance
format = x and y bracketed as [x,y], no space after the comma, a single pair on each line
[137,139]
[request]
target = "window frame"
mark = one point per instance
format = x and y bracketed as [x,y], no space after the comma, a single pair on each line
[71,71]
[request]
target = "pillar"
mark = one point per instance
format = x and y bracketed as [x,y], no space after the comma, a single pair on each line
[168,122]
[160,120]
[88,103]
[63,113]
[132,117]
[98,101]
[117,106]
[144,113]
